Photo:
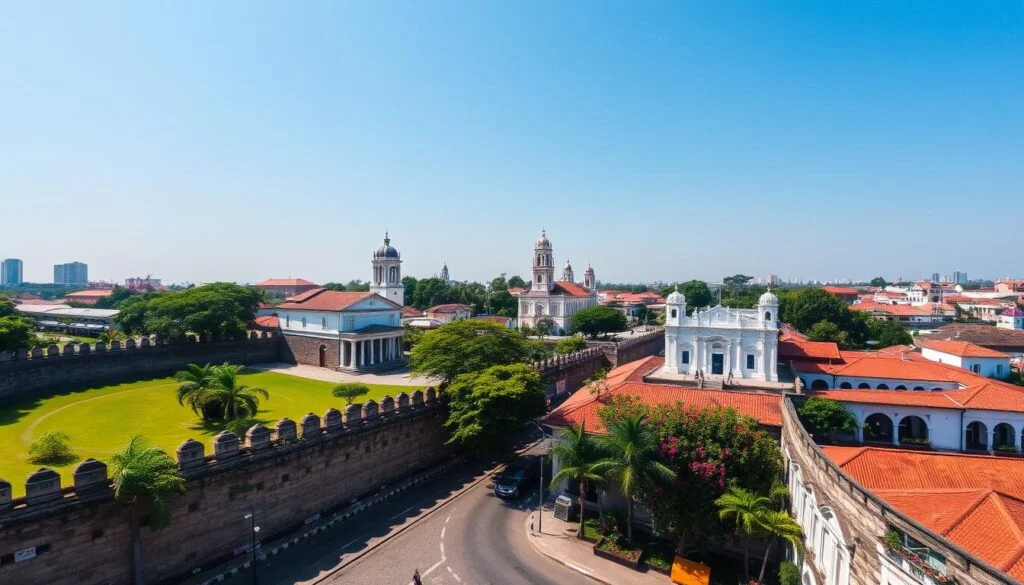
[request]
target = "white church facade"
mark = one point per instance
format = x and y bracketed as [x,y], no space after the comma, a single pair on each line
[550,299]
[722,342]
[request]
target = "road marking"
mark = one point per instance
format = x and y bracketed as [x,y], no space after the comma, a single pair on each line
[350,543]
[579,568]
[443,528]
[442,550]
[454,574]
[448,518]
[402,512]
[433,567]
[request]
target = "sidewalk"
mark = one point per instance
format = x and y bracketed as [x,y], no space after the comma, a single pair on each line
[558,541]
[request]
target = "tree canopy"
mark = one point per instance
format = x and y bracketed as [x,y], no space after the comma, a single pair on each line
[486,405]
[879,281]
[825,416]
[16,332]
[217,309]
[594,321]
[468,346]
[570,344]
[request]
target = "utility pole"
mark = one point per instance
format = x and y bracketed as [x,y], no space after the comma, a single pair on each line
[253,531]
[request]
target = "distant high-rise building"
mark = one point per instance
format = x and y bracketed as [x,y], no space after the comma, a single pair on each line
[959,277]
[772,280]
[11,273]
[72,273]
[935,277]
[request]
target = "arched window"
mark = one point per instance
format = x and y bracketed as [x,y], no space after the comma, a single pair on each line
[1003,436]
[674,313]
[913,430]
[918,387]
[819,384]
[540,278]
[846,386]
[976,437]
[900,387]
[767,315]
[878,427]
[864,386]
[882,387]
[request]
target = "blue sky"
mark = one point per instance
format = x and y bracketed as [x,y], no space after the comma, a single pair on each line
[240,140]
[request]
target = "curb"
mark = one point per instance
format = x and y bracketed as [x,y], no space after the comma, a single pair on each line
[574,567]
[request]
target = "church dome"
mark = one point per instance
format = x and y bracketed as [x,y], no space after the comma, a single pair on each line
[568,265]
[386,251]
[676,298]
[589,269]
[543,241]
[768,298]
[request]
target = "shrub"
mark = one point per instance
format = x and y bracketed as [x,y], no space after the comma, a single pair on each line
[350,391]
[570,345]
[52,447]
[789,574]
[824,415]
[892,539]
[239,426]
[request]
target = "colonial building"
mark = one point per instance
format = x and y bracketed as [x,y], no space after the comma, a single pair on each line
[449,312]
[557,300]
[282,288]
[723,342]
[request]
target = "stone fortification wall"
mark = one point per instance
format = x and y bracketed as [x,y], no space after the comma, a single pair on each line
[565,373]
[633,348]
[865,518]
[28,373]
[289,473]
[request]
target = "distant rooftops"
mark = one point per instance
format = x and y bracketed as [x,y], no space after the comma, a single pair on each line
[65,311]
[287,282]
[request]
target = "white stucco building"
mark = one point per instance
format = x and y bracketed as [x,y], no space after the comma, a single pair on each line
[1012,318]
[980,360]
[720,341]
[548,298]
[387,273]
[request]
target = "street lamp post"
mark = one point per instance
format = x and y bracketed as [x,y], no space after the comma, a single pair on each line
[253,531]
[540,491]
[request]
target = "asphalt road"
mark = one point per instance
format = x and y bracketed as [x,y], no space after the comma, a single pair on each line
[475,539]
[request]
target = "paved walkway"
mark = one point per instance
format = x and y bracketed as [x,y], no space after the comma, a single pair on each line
[558,541]
[400,377]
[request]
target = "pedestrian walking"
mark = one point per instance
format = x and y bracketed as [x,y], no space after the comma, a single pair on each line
[416,578]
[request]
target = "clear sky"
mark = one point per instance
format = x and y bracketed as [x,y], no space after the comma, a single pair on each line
[242,140]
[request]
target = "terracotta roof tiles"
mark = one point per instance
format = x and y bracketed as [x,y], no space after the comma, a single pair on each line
[324,300]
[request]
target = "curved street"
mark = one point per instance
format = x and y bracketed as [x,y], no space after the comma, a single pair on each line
[474,539]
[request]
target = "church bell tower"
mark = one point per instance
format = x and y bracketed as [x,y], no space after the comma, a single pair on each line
[543,265]
[387,273]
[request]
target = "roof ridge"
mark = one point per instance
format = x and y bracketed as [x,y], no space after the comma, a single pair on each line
[1014,527]
[858,451]
[978,501]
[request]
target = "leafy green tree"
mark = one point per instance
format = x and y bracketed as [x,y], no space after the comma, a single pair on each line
[571,344]
[15,333]
[887,333]
[579,459]
[746,509]
[546,326]
[778,525]
[195,383]
[117,296]
[486,405]
[214,309]
[826,416]
[53,447]
[409,283]
[826,331]
[879,282]
[631,461]
[432,291]
[516,281]
[789,574]
[350,391]
[594,321]
[144,476]
[467,346]
[697,294]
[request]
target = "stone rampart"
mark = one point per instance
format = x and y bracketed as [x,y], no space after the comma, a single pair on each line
[566,373]
[289,474]
[26,373]
[864,517]
[629,349]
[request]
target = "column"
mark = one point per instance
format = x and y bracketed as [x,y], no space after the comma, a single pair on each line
[859,432]
[896,432]
[373,342]
[989,438]
[362,353]
[344,354]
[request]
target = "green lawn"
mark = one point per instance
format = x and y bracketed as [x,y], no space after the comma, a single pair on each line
[101,419]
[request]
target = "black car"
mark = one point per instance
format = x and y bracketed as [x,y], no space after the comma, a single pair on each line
[517,479]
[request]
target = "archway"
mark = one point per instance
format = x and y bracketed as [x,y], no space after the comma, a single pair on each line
[864,386]
[913,430]
[882,387]
[819,384]
[846,386]
[976,436]
[323,356]
[1002,437]
[878,428]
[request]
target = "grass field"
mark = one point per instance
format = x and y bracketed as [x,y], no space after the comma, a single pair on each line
[100,420]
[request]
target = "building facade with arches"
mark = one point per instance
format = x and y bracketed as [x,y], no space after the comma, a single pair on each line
[550,302]
[721,341]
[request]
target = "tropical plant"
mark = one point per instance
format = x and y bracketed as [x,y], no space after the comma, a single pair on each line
[789,574]
[195,384]
[236,399]
[825,416]
[144,476]
[579,459]
[570,344]
[745,508]
[52,447]
[778,525]
[487,406]
[631,461]
[350,391]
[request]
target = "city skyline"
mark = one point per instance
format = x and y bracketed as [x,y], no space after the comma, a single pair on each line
[238,142]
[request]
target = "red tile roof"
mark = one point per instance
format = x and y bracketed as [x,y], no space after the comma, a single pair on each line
[628,380]
[267,322]
[320,299]
[902,310]
[841,291]
[571,289]
[287,282]
[962,349]
[449,308]
[493,319]
[975,501]
[410,312]
[800,349]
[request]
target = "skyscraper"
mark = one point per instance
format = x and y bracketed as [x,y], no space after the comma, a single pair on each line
[11,273]
[959,277]
[935,277]
[72,273]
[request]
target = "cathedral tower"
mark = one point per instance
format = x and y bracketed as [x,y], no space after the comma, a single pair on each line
[387,273]
[543,264]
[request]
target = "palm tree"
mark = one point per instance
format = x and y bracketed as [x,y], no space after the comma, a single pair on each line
[196,382]
[631,448]
[579,459]
[236,399]
[746,508]
[144,475]
[775,525]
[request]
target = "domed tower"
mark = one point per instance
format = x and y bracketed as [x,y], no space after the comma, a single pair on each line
[588,278]
[543,264]
[444,273]
[567,275]
[387,273]
[768,310]
[675,308]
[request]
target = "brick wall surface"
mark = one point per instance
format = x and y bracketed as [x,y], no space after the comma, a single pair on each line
[89,542]
[306,350]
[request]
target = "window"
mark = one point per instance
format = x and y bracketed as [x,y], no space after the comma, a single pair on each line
[303,321]
[323,322]
[686,356]
[750,361]
[768,316]
[976,368]
[287,320]
[673,313]
[999,369]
